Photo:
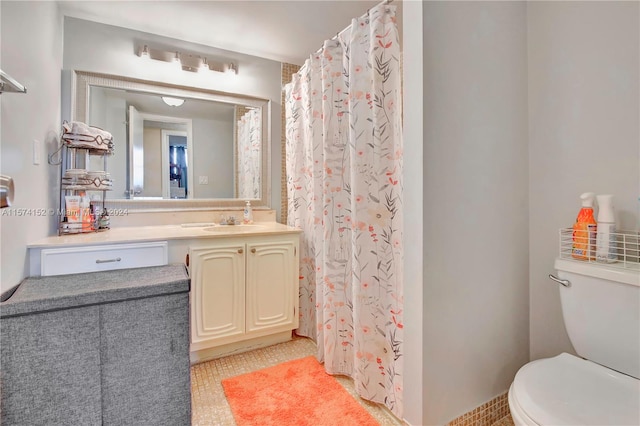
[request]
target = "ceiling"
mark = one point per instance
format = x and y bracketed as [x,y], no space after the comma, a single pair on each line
[284,31]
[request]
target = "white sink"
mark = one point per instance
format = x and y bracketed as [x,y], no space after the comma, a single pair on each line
[197,225]
[235,228]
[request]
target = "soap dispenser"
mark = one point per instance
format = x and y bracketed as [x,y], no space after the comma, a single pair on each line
[248,213]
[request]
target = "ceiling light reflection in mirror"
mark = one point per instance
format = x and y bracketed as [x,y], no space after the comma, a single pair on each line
[174,102]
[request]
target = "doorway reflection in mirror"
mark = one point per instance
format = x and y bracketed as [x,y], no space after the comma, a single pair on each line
[178,182]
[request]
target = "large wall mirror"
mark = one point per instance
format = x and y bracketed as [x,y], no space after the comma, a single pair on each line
[176,146]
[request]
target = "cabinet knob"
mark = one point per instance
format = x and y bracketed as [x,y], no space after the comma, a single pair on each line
[253,250]
[240,251]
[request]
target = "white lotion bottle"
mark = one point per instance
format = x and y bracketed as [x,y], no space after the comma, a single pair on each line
[605,238]
[248,213]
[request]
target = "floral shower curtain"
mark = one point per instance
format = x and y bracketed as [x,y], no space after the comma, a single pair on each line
[249,141]
[344,168]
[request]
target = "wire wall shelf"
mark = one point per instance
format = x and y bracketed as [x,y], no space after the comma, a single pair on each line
[76,180]
[621,249]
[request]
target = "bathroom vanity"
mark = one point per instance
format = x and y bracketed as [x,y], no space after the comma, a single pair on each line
[244,287]
[244,278]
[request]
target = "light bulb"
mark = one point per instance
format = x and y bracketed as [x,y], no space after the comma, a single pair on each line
[204,65]
[231,67]
[144,52]
[176,60]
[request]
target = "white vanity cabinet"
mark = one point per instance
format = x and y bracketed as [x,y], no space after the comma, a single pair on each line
[244,293]
[244,279]
[95,258]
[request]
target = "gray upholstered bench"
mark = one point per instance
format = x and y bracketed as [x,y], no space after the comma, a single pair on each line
[106,348]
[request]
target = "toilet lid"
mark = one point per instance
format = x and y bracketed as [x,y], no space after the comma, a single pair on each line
[567,390]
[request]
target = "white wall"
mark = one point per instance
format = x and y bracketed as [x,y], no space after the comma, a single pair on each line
[89,46]
[526,106]
[152,149]
[584,134]
[413,210]
[32,54]
[475,204]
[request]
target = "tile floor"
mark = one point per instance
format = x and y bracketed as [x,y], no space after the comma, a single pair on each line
[505,421]
[209,405]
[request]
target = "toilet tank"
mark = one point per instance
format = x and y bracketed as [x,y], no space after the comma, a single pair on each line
[601,310]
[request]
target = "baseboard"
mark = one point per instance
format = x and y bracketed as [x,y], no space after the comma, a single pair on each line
[239,347]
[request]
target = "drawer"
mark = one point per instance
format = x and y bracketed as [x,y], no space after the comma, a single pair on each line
[77,260]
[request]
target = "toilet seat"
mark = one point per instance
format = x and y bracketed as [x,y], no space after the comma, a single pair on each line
[567,390]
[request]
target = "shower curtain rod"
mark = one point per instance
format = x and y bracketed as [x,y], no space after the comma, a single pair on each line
[338,34]
[349,26]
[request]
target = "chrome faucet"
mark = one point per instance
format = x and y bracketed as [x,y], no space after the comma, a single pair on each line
[231,220]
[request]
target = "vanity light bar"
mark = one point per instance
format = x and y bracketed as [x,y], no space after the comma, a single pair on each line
[188,61]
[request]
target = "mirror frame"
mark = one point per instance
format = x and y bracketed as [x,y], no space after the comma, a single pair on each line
[80,87]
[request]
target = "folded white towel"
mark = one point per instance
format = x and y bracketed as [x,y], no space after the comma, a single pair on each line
[84,129]
[81,134]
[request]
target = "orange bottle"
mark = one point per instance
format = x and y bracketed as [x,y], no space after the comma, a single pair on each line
[584,230]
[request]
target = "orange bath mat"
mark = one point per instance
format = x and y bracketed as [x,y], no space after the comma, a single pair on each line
[297,392]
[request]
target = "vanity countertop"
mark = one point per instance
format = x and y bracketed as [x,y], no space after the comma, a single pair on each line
[161,233]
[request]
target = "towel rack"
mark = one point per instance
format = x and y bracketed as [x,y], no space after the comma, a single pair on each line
[8,84]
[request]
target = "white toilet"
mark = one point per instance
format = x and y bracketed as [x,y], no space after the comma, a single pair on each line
[601,309]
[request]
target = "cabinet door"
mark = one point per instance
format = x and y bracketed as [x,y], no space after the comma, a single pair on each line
[51,368]
[272,287]
[144,350]
[217,294]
